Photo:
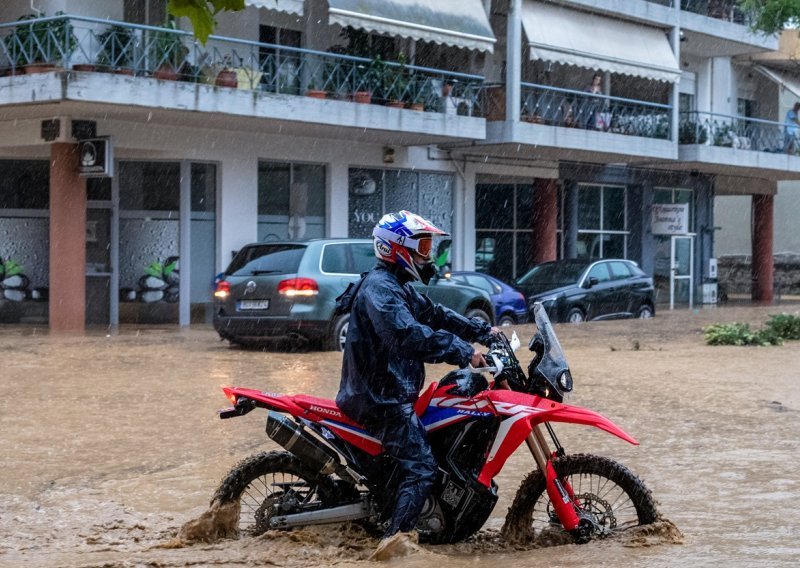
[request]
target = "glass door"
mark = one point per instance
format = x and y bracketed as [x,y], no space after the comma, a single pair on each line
[98,265]
[681,279]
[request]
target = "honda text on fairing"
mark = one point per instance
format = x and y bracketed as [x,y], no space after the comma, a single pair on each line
[333,471]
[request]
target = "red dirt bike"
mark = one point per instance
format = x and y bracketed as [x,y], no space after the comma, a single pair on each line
[334,471]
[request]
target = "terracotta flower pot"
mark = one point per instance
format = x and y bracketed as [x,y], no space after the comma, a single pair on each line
[227,78]
[34,68]
[364,97]
[417,106]
[124,72]
[316,94]
[396,104]
[84,67]
[166,73]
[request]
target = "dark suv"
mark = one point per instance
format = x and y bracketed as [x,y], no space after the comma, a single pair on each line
[289,289]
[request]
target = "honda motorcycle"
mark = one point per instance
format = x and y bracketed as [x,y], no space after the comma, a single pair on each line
[334,471]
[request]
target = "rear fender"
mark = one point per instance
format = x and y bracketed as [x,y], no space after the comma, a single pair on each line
[269,400]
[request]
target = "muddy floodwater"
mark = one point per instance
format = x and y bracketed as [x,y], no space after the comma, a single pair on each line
[110,443]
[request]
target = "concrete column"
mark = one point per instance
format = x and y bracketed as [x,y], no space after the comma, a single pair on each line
[762,266]
[67,240]
[545,220]
[514,61]
[570,234]
[338,205]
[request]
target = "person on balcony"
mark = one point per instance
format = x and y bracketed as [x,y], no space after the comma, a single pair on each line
[594,116]
[792,126]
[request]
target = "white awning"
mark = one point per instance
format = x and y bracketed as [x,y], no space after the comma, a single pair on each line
[785,80]
[288,6]
[571,37]
[461,23]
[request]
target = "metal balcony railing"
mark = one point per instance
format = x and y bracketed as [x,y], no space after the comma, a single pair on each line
[90,44]
[735,132]
[727,10]
[543,104]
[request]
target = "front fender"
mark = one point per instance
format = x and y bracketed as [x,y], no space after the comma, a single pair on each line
[519,420]
[578,415]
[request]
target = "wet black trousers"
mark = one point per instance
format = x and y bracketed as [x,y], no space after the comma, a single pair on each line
[404,439]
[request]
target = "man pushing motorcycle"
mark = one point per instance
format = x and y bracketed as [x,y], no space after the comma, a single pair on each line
[393,331]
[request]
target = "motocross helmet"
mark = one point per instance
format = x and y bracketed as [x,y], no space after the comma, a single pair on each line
[399,234]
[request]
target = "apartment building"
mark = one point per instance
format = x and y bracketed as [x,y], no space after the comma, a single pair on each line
[531,130]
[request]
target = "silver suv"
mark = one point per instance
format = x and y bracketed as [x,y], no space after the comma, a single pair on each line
[289,289]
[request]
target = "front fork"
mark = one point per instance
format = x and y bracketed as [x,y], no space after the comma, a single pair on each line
[559,490]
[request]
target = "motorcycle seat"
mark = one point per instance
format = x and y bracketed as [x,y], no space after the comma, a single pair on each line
[322,407]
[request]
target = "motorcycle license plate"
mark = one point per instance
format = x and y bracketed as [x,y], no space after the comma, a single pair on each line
[254,304]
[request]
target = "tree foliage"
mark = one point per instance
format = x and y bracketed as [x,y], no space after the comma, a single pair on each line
[772,16]
[202,13]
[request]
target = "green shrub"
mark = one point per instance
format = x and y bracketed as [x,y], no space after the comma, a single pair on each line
[739,334]
[786,326]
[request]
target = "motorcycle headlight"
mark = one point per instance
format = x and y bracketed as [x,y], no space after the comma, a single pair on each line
[565,381]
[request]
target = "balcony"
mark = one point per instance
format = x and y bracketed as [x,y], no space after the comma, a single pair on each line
[590,126]
[724,21]
[725,144]
[106,62]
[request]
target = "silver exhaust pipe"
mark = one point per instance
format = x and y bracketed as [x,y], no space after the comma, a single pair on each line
[319,457]
[340,514]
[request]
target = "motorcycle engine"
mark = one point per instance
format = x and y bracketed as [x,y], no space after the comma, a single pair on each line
[430,519]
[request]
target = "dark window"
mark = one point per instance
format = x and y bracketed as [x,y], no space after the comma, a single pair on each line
[619,270]
[98,189]
[24,184]
[150,186]
[600,271]
[363,257]
[204,188]
[266,259]
[334,259]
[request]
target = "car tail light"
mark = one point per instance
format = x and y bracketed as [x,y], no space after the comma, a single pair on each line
[223,290]
[294,287]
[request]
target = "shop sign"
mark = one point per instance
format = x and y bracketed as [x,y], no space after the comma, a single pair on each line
[96,157]
[670,218]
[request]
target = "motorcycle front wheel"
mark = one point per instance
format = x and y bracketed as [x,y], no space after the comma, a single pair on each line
[274,482]
[611,496]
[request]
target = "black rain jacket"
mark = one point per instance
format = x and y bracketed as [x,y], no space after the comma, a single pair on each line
[393,331]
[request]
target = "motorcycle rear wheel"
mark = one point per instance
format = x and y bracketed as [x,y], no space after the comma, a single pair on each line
[272,481]
[615,497]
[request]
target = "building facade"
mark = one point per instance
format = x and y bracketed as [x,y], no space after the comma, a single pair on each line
[531,130]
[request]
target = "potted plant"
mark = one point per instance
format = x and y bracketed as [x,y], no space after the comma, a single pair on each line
[313,92]
[37,45]
[116,50]
[167,52]
[227,76]
[395,83]
[372,78]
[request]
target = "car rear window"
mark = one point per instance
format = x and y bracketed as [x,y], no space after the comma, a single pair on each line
[266,259]
[555,273]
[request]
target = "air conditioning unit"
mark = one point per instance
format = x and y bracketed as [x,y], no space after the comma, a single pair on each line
[64,129]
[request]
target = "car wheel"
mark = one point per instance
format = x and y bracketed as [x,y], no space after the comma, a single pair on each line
[338,334]
[506,321]
[645,312]
[480,314]
[576,315]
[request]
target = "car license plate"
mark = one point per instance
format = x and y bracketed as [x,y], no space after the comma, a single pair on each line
[254,305]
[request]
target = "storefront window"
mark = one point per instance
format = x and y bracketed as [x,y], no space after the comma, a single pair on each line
[291,201]
[375,192]
[149,231]
[203,240]
[602,222]
[24,240]
[503,219]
